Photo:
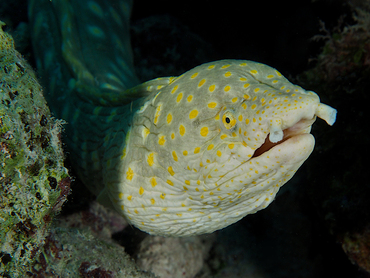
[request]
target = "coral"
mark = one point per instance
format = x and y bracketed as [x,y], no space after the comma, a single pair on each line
[347,49]
[357,247]
[174,257]
[71,252]
[33,181]
[338,169]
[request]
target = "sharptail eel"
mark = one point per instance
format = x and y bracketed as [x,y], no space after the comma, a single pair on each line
[176,156]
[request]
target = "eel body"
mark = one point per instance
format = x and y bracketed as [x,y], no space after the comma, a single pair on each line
[176,156]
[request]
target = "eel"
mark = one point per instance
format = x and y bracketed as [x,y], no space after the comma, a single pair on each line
[176,156]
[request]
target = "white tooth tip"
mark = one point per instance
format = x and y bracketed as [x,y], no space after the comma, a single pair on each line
[327,113]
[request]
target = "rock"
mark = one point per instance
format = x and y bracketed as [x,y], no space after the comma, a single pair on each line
[33,181]
[174,257]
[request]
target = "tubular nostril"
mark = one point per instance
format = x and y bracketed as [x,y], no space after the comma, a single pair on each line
[327,113]
[276,133]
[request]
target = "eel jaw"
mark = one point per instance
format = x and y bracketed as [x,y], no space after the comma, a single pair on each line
[300,128]
[278,136]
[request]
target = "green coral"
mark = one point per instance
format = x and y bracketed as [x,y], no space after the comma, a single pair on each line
[33,181]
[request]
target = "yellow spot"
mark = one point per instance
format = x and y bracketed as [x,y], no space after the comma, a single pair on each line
[174,156]
[153,181]
[212,88]
[152,201]
[129,198]
[240,118]
[182,130]
[174,89]
[187,182]
[196,150]
[235,99]
[190,97]
[212,104]
[170,182]
[129,174]
[170,170]
[179,97]
[161,140]
[179,214]
[96,31]
[141,190]
[243,79]
[253,72]
[194,75]
[204,131]
[225,66]
[244,105]
[185,152]
[246,85]
[172,135]
[201,83]
[231,146]
[270,76]
[120,195]
[253,106]
[223,136]
[135,210]
[227,88]
[169,118]
[228,74]
[211,66]
[246,121]
[256,90]
[157,113]
[193,114]
[219,153]
[162,195]
[123,153]
[96,9]
[146,132]
[210,147]
[150,159]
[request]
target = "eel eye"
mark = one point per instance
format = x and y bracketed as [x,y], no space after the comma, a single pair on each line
[229,120]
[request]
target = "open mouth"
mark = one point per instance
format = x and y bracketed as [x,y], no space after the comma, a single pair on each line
[301,127]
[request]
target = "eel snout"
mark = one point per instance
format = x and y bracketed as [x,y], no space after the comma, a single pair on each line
[278,136]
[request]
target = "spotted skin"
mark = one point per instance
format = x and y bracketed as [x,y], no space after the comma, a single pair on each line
[191,154]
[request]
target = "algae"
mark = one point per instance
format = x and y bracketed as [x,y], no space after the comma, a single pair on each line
[33,181]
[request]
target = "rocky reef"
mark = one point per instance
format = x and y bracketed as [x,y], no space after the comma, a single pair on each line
[33,180]
[339,186]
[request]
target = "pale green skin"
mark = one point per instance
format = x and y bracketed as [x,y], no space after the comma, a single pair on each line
[151,158]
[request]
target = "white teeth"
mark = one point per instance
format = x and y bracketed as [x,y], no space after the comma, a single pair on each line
[327,113]
[276,133]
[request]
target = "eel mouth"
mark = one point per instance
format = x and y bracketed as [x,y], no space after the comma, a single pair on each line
[278,136]
[301,127]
